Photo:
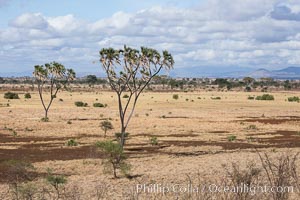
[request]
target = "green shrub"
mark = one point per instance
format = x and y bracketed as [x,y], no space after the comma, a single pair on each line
[175,96]
[56,181]
[45,119]
[126,96]
[11,95]
[251,97]
[216,98]
[115,158]
[72,143]
[265,97]
[153,141]
[293,99]
[231,138]
[252,127]
[27,96]
[98,105]
[80,104]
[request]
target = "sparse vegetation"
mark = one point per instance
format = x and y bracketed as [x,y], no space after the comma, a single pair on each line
[80,104]
[11,95]
[265,97]
[100,105]
[45,119]
[72,143]
[57,182]
[200,132]
[27,96]
[216,98]
[115,158]
[293,99]
[175,96]
[231,138]
[106,126]
[153,141]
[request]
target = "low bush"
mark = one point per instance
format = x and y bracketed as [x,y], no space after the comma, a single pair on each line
[153,141]
[27,96]
[11,95]
[231,138]
[293,99]
[251,97]
[80,104]
[265,97]
[72,143]
[56,181]
[45,119]
[125,96]
[100,105]
[216,98]
[175,96]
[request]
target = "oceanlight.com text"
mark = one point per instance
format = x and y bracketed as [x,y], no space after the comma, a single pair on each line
[211,188]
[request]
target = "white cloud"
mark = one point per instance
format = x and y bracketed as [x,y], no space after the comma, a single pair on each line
[30,21]
[216,32]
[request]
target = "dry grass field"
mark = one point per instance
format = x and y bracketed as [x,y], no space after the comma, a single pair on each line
[193,135]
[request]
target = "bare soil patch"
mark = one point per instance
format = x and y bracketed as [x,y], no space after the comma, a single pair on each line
[272,120]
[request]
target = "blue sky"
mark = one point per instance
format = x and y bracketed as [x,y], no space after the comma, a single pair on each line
[223,33]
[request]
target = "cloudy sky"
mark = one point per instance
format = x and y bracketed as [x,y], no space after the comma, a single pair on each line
[199,33]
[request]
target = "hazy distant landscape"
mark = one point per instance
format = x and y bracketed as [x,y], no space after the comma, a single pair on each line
[205,72]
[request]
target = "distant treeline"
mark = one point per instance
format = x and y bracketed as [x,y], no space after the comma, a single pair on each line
[167,83]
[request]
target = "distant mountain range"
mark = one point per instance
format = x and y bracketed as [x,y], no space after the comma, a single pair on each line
[200,72]
[221,72]
[286,73]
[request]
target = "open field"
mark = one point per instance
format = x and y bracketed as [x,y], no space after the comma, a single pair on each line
[192,134]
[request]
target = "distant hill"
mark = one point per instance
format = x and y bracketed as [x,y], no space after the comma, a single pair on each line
[286,73]
[260,73]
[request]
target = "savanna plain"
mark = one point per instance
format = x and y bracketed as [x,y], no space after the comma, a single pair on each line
[196,140]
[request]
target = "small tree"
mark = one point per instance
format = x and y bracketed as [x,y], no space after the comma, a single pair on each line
[54,75]
[91,80]
[249,82]
[115,158]
[105,126]
[130,70]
